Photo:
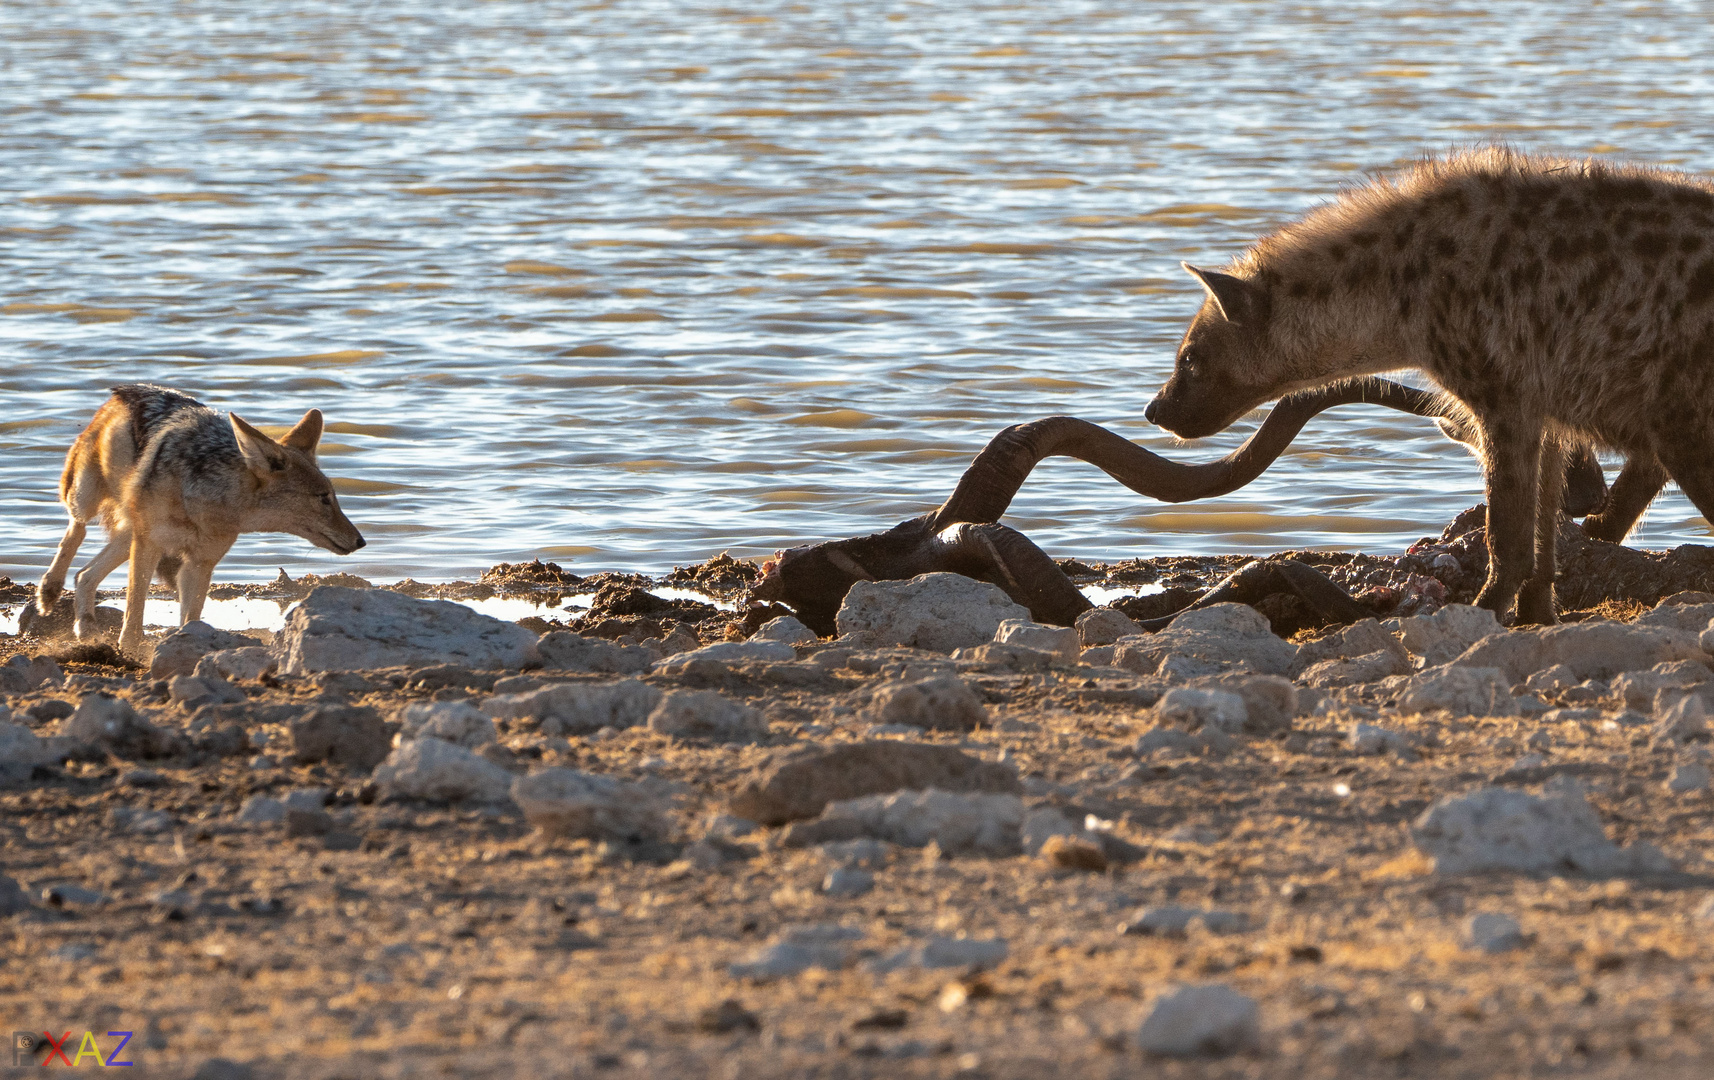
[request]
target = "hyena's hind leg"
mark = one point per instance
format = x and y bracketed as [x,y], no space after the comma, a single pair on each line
[1535,599]
[1511,459]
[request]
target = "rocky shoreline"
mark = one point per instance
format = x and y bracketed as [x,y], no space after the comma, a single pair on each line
[661,837]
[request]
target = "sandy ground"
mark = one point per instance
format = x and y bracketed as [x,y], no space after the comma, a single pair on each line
[428,940]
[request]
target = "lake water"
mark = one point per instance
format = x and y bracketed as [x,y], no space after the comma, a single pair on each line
[624,285]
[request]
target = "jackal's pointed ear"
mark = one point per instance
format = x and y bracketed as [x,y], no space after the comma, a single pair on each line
[307,433]
[261,454]
[1239,301]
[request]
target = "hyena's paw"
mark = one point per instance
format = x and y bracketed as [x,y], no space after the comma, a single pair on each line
[1535,604]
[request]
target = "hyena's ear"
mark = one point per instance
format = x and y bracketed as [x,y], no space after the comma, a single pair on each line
[307,433]
[1241,302]
[261,454]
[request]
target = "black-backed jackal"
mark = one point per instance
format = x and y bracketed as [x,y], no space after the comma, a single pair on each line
[174,485]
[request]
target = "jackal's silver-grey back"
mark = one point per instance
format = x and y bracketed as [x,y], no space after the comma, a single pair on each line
[1559,301]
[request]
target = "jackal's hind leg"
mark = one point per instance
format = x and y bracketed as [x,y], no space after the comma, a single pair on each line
[53,582]
[89,580]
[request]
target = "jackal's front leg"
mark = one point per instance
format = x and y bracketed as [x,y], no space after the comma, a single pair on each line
[53,582]
[194,577]
[145,556]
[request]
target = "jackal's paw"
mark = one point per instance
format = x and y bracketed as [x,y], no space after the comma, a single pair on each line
[47,595]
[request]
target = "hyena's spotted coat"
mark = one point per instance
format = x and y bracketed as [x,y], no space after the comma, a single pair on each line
[1559,301]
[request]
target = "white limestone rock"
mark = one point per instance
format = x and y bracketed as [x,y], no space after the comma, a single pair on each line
[563,650]
[22,750]
[1639,689]
[456,722]
[938,612]
[705,714]
[575,804]
[1461,691]
[1058,641]
[113,725]
[1042,824]
[1360,639]
[261,810]
[1688,778]
[1689,618]
[191,692]
[1557,677]
[786,630]
[1220,637]
[942,952]
[179,650]
[1270,701]
[1192,709]
[239,665]
[579,708]
[441,772]
[1684,721]
[967,823]
[22,674]
[940,703]
[1503,829]
[823,945]
[1208,1020]
[726,652]
[1592,650]
[1104,626]
[1371,739]
[1443,636]
[340,629]
[1368,668]
[1493,932]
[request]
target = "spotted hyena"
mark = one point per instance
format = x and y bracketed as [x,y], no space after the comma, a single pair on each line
[1560,302]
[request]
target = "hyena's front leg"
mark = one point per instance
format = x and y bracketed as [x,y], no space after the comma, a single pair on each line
[1690,465]
[145,556]
[1511,453]
[89,580]
[1535,601]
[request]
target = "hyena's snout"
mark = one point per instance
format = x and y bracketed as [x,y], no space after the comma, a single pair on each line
[1179,412]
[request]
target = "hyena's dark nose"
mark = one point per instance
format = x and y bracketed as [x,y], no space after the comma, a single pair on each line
[360,543]
[1149,413]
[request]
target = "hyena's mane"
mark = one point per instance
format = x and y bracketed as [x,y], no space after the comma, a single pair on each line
[1380,219]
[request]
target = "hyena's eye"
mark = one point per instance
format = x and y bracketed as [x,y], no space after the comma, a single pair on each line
[326,499]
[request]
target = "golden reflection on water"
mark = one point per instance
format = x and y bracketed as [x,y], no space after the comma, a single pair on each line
[629,284]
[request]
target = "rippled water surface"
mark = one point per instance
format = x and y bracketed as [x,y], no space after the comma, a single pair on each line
[626,284]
